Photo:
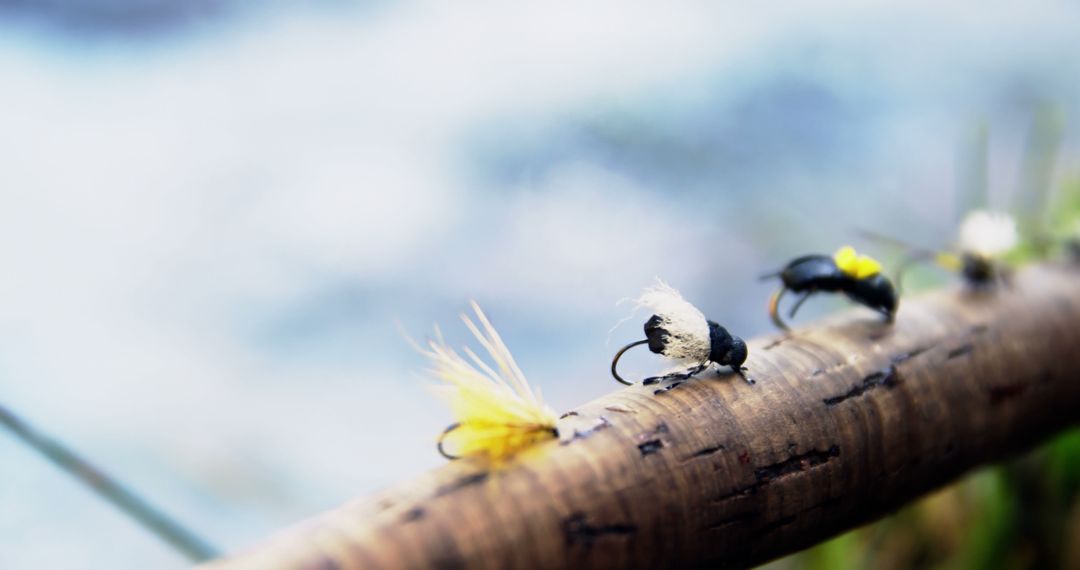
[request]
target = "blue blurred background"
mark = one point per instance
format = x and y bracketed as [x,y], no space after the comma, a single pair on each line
[216,216]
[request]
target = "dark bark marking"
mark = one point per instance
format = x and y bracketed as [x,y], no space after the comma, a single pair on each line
[829,369]
[795,464]
[578,531]
[466,481]
[704,452]
[739,492]
[960,351]
[567,415]
[909,354]
[650,447]
[776,343]
[735,519]
[414,514]
[600,424]
[650,441]
[790,466]
[888,378]
[667,388]
[999,394]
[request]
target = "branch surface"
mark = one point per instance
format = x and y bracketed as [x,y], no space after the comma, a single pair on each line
[849,420]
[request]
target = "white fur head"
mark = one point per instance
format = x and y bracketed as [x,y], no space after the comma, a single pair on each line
[987,233]
[688,331]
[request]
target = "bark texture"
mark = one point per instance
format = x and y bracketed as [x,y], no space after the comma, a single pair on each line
[849,419]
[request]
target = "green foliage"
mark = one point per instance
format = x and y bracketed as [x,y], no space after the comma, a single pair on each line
[1063,464]
[1065,215]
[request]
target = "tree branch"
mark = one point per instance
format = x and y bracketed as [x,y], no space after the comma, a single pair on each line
[848,420]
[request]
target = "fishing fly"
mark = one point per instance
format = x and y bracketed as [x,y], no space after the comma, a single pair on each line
[989,241]
[985,237]
[679,331]
[984,240]
[859,277]
[497,413]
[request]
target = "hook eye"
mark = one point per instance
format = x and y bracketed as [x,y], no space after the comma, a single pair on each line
[442,436]
[618,355]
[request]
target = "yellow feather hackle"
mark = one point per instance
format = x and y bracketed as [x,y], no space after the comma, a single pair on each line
[855,265]
[497,412]
[949,261]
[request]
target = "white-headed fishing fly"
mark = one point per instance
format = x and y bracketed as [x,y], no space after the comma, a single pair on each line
[497,413]
[679,331]
[686,326]
[984,239]
[987,234]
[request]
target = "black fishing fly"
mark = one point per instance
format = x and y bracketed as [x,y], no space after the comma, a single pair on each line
[857,276]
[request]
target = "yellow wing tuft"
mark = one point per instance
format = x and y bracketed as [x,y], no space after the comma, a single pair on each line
[855,265]
[949,261]
[497,413]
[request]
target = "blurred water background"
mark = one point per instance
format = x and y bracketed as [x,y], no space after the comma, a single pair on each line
[216,215]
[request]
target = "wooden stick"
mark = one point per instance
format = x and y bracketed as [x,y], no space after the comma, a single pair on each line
[849,420]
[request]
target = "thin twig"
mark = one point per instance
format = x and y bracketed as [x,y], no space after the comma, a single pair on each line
[151,518]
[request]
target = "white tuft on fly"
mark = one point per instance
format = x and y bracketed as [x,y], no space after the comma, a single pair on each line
[688,331]
[987,233]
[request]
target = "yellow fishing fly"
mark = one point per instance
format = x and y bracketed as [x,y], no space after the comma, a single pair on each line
[498,414]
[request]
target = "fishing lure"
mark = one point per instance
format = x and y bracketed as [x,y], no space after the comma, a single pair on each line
[498,414]
[679,331]
[985,238]
[859,277]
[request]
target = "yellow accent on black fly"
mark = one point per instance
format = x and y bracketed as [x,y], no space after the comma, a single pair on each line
[854,265]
